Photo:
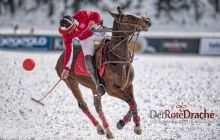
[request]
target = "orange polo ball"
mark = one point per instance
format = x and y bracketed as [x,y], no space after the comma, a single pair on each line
[28,64]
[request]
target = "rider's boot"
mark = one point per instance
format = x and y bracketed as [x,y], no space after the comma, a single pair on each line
[90,66]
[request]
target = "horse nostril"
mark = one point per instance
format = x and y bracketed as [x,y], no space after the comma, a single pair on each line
[149,22]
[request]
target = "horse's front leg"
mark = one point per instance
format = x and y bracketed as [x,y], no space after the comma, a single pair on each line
[98,107]
[127,118]
[136,117]
[133,108]
[127,95]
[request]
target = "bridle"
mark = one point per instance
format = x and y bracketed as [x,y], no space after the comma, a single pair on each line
[137,25]
[129,34]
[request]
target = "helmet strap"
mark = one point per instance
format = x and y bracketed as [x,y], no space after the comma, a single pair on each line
[76,22]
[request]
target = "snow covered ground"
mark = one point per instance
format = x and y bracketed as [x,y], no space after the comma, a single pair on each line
[161,82]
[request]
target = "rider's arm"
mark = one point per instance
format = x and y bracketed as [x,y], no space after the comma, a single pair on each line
[68,57]
[95,17]
[92,17]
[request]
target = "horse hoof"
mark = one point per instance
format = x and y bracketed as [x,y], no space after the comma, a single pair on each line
[120,124]
[138,129]
[109,134]
[100,130]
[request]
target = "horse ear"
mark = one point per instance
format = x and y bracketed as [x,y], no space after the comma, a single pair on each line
[114,15]
[119,10]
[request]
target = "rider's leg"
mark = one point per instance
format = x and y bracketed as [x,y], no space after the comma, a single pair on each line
[94,74]
[88,49]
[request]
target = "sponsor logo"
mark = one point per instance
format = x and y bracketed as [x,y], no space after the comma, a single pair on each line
[181,113]
[210,46]
[175,45]
[58,44]
[23,41]
[214,45]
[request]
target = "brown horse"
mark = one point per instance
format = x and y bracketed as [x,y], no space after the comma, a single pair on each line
[118,73]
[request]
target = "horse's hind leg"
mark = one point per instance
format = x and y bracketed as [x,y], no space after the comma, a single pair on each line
[73,85]
[98,107]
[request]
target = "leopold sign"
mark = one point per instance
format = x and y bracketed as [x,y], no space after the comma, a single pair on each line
[10,41]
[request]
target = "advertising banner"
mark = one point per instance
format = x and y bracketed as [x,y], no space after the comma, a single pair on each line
[25,41]
[172,45]
[209,46]
[58,43]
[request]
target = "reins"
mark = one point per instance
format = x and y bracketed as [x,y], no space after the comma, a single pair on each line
[125,60]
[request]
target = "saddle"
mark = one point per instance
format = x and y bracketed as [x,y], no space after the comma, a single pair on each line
[99,56]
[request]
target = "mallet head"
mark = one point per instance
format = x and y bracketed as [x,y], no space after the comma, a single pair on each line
[37,101]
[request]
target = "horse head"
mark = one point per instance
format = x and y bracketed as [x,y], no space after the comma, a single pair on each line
[131,21]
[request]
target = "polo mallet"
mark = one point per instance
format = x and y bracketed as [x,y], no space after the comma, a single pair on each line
[39,101]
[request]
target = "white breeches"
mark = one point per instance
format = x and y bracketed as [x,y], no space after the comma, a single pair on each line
[88,44]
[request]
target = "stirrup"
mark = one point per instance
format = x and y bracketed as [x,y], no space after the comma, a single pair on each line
[100,89]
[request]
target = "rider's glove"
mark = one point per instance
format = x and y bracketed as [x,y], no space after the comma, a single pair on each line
[64,74]
[94,27]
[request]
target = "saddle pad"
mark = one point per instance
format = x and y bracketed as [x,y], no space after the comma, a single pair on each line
[80,68]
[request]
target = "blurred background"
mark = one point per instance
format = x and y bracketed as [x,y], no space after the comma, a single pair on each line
[167,15]
[178,25]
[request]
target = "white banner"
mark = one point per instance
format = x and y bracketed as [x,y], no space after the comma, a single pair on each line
[209,46]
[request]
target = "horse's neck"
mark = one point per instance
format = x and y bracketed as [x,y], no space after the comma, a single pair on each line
[122,48]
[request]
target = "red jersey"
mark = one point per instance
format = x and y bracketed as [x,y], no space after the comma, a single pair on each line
[85,20]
